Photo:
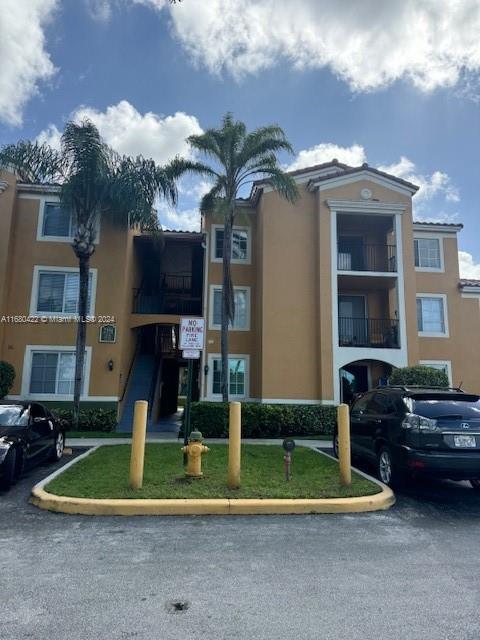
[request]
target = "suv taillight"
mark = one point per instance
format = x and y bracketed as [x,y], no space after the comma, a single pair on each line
[419,424]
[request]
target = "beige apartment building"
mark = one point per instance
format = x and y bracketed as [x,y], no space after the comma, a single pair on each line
[331,293]
[140,286]
[335,290]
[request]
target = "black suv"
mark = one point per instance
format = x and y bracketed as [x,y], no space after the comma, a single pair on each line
[408,430]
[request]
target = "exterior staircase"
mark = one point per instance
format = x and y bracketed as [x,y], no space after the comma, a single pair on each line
[139,388]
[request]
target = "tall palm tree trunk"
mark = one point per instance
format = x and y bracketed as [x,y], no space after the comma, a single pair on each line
[84,269]
[227,301]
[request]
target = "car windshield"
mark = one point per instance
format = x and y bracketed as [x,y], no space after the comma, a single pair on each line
[13,416]
[455,406]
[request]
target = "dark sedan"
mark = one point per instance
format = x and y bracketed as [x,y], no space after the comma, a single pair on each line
[29,435]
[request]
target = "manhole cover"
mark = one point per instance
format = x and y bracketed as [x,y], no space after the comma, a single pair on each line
[177,606]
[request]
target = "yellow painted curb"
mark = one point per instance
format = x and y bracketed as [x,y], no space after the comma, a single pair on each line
[211,506]
[219,506]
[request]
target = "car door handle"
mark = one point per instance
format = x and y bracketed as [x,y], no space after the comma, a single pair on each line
[377,420]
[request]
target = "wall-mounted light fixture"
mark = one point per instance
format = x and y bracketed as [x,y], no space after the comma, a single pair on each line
[110,365]
[205,369]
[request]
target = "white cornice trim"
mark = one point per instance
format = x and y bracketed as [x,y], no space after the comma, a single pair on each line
[3,185]
[418,226]
[348,178]
[364,206]
[474,292]
[24,187]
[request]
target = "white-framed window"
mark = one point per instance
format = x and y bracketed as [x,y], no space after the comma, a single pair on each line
[442,365]
[55,291]
[49,372]
[432,315]
[242,308]
[241,244]
[54,223]
[238,379]
[428,253]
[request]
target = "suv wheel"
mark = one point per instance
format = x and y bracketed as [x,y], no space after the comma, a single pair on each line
[386,470]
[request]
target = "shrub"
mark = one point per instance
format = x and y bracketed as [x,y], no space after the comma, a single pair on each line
[7,376]
[420,375]
[97,419]
[264,420]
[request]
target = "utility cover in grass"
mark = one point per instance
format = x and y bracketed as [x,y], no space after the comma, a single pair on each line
[104,474]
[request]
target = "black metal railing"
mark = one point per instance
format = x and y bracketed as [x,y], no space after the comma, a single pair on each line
[152,302]
[367,257]
[173,295]
[368,332]
[176,282]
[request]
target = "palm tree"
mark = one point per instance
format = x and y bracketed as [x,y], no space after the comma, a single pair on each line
[239,157]
[95,182]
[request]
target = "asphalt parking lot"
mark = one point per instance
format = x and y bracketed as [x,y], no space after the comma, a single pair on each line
[410,573]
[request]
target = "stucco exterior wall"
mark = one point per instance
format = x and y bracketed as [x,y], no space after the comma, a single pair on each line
[26,252]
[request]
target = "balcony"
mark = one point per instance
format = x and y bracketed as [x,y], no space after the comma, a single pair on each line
[173,296]
[367,257]
[376,333]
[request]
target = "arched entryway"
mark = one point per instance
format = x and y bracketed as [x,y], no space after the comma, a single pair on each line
[362,375]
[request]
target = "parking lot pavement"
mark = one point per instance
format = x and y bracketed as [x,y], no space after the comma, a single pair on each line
[410,573]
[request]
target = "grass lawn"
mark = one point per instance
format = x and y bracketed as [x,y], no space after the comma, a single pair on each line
[104,474]
[96,434]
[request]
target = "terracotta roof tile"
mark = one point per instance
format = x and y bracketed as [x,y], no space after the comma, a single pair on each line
[439,224]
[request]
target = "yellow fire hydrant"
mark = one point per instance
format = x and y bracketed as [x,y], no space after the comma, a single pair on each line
[194,451]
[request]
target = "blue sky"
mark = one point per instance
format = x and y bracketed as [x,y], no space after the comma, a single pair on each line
[394,84]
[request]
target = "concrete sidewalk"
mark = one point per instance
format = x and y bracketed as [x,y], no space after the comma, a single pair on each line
[160,437]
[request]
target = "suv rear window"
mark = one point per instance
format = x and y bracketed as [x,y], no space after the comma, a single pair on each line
[453,405]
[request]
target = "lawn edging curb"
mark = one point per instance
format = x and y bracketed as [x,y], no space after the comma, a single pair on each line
[213,506]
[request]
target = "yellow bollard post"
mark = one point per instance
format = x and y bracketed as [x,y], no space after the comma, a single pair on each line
[234,442]
[343,421]
[138,444]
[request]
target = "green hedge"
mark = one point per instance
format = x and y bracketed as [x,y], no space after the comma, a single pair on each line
[265,420]
[419,375]
[104,420]
[7,376]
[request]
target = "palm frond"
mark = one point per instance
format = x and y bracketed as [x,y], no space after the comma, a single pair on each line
[282,182]
[33,162]
[208,143]
[212,202]
[178,167]
[261,141]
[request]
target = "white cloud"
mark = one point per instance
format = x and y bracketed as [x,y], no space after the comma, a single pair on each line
[24,61]
[178,219]
[437,183]
[468,267]
[369,44]
[327,151]
[99,10]
[156,4]
[51,135]
[129,132]
[193,187]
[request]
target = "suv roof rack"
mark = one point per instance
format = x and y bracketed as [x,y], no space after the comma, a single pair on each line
[419,387]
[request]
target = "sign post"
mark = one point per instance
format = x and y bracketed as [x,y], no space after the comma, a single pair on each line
[192,340]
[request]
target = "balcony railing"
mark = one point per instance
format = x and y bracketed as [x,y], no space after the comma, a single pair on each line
[368,332]
[368,257]
[173,296]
